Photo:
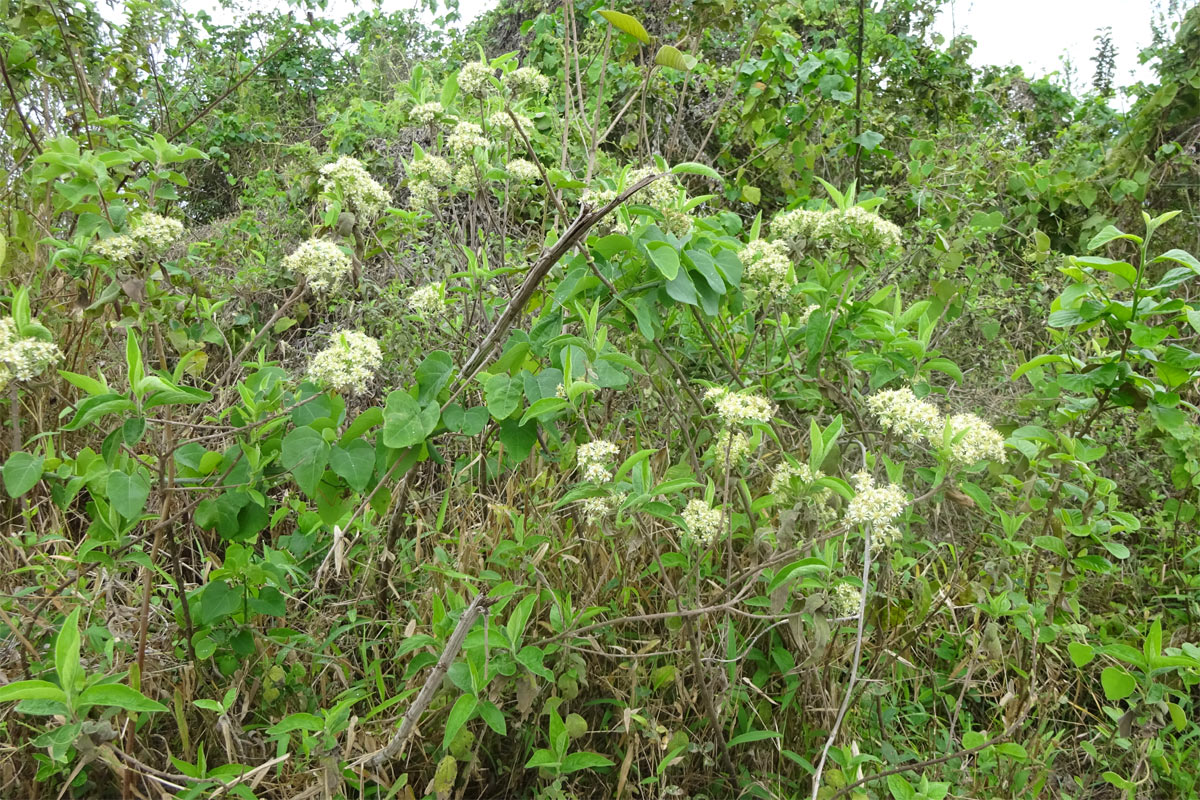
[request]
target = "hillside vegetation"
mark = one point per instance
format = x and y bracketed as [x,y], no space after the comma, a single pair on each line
[719,399]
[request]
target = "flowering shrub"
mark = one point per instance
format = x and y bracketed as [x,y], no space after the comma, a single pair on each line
[205,476]
[321,262]
[359,192]
[349,363]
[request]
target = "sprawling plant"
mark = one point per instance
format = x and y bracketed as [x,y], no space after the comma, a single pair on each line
[743,403]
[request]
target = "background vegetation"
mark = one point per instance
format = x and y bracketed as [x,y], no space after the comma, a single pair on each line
[715,399]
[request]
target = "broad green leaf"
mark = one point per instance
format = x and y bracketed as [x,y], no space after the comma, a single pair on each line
[305,453]
[22,471]
[626,24]
[668,56]
[404,422]
[1118,684]
[1081,654]
[354,463]
[432,375]
[665,257]
[118,696]
[128,493]
[503,395]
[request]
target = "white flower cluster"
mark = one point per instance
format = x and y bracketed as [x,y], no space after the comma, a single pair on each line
[475,78]
[767,264]
[426,113]
[596,509]
[422,195]
[465,138]
[803,317]
[435,168]
[703,521]
[322,262]
[731,447]
[901,413]
[597,198]
[663,196]
[871,229]
[523,170]
[428,301]
[502,121]
[978,441]
[660,194]
[836,228]
[348,364]
[785,473]
[361,193]
[738,408]
[23,357]
[593,458]
[526,80]
[157,233]
[116,247]
[783,486]
[796,224]
[845,601]
[877,506]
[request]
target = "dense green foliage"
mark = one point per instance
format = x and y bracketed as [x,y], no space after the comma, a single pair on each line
[720,399]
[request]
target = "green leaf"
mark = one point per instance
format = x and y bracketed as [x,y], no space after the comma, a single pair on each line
[682,289]
[133,361]
[1181,257]
[432,375]
[493,716]
[128,493]
[354,462]
[626,24]
[754,736]
[1108,234]
[542,758]
[31,690]
[464,709]
[66,653]
[547,405]
[22,471]
[694,168]
[665,257]
[305,453]
[297,722]
[404,422]
[584,760]
[868,139]
[668,56]
[1081,654]
[503,395]
[116,695]
[1118,684]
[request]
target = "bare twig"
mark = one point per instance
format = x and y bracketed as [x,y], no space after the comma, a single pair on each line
[434,682]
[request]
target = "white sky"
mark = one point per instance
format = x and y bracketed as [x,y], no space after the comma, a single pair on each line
[1035,34]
